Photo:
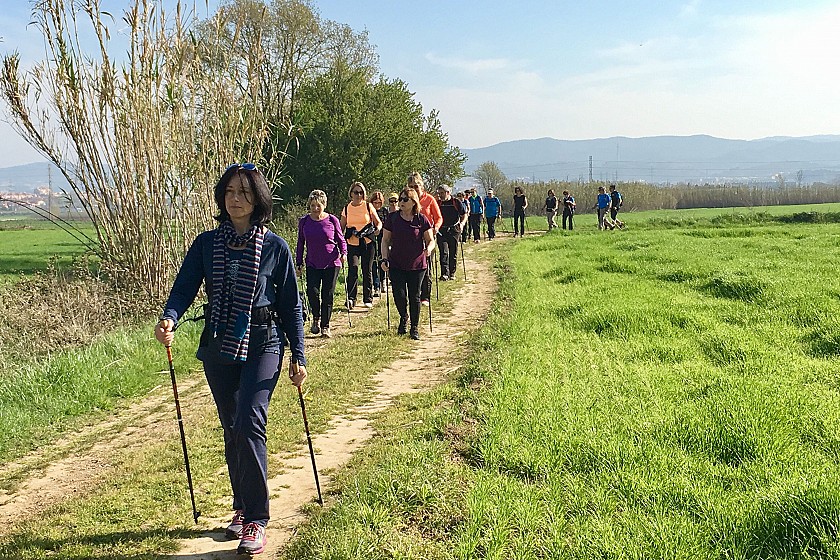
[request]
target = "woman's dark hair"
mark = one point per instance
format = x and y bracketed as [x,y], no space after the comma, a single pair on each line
[520,189]
[262,195]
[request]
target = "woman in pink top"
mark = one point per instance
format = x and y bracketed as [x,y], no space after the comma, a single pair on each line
[356,216]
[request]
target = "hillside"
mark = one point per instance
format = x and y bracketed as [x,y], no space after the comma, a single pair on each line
[667,159]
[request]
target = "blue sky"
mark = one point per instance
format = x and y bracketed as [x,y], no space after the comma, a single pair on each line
[500,71]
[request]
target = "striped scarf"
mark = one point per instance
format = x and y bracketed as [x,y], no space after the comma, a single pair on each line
[233,315]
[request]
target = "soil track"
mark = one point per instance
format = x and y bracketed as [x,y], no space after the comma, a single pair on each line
[76,464]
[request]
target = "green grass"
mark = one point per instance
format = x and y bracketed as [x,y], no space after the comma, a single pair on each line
[29,246]
[652,393]
[141,506]
[659,392]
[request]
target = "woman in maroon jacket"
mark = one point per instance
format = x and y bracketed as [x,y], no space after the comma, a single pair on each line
[407,243]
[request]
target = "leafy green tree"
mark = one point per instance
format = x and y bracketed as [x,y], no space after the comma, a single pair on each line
[445,163]
[352,127]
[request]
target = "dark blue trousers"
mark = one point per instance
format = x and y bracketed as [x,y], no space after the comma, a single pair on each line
[242,393]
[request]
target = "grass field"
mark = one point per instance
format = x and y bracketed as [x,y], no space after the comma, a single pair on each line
[667,391]
[29,246]
[652,393]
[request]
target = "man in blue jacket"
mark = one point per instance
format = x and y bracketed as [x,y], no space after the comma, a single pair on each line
[492,210]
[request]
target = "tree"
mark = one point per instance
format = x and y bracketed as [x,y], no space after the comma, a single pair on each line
[489,176]
[142,137]
[445,163]
[354,128]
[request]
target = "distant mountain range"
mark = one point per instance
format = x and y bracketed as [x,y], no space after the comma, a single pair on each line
[653,159]
[28,177]
[667,159]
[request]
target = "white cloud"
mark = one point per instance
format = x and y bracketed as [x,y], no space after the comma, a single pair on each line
[689,10]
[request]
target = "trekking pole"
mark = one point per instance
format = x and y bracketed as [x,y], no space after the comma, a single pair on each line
[463,261]
[428,265]
[437,289]
[309,441]
[196,513]
[387,284]
[346,295]
[304,298]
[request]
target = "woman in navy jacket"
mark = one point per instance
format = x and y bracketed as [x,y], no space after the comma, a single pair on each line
[249,277]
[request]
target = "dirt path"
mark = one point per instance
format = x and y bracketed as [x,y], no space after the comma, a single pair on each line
[428,363]
[79,462]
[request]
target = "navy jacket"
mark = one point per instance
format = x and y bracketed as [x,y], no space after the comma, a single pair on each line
[276,286]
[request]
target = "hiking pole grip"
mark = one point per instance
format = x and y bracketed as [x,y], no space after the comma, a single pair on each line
[309,442]
[195,511]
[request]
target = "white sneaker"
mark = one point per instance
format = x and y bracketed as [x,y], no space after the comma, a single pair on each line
[424,302]
[368,304]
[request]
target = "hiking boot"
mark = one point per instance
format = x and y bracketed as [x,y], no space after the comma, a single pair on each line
[253,539]
[234,530]
[403,325]
[415,334]
[325,332]
[315,329]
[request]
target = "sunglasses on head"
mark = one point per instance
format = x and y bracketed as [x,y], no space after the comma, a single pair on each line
[245,166]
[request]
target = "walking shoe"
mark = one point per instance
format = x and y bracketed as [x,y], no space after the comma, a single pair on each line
[443,278]
[315,329]
[403,325]
[368,304]
[376,294]
[424,302]
[415,335]
[325,332]
[234,530]
[351,303]
[253,539]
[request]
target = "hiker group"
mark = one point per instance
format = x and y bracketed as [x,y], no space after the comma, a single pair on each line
[255,311]
[386,246]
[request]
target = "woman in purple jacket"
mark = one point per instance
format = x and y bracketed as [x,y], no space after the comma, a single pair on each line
[326,248]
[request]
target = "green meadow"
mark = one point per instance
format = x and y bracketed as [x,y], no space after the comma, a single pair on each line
[667,391]
[659,392]
[29,246]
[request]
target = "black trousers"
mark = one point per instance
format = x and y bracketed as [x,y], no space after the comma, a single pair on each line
[320,290]
[491,227]
[448,245]
[475,225]
[355,254]
[406,289]
[242,393]
[568,215]
[519,222]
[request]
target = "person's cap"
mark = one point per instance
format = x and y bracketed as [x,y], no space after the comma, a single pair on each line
[394,196]
[446,188]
